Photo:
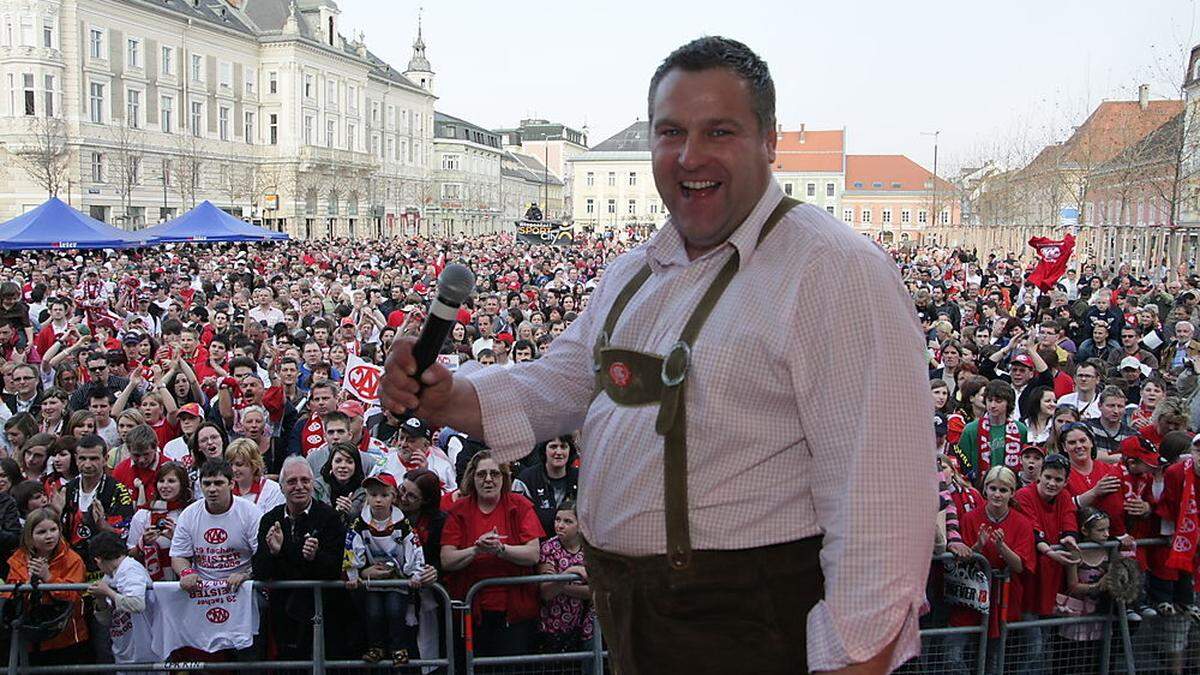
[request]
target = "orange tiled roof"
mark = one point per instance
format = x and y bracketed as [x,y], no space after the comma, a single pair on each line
[808,150]
[874,173]
[1111,128]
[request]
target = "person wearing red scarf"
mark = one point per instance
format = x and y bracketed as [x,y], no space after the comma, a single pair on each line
[138,472]
[1171,585]
[153,525]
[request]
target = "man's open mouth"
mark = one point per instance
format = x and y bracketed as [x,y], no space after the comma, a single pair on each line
[699,188]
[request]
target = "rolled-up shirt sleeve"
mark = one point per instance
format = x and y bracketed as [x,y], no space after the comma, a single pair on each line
[538,400]
[863,394]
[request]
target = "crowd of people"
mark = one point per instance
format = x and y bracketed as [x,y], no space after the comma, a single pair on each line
[156,397]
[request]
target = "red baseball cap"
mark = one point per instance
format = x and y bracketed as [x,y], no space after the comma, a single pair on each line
[352,408]
[1024,360]
[1139,448]
[383,478]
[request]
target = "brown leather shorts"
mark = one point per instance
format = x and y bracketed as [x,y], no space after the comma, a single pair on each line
[728,612]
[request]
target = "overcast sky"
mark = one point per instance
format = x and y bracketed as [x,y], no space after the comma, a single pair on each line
[995,79]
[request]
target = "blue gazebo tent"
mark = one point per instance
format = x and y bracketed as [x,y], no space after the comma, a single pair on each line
[56,225]
[207,223]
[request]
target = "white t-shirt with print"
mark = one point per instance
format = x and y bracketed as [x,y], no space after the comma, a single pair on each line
[218,545]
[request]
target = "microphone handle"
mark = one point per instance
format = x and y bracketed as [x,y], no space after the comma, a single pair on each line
[433,334]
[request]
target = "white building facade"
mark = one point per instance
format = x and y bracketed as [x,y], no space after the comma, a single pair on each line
[467,196]
[261,107]
[613,183]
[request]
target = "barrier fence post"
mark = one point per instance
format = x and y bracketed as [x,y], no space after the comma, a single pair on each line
[318,631]
[597,645]
[15,648]
[1002,617]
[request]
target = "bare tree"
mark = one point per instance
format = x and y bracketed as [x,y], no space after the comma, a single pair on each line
[188,167]
[46,156]
[233,182]
[126,167]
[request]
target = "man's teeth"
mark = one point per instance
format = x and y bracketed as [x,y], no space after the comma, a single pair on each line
[698,185]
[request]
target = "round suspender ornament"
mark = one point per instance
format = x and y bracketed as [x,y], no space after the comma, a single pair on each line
[619,374]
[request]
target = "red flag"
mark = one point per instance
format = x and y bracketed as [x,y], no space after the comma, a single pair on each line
[1053,255]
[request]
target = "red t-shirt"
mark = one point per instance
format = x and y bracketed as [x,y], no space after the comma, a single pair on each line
[1168,507]
[515,519]
[1063,384]
[1051,520]
[1018,535]
[165,431]
[1112,503]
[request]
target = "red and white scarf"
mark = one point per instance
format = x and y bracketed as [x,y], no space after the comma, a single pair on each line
[1012,444]
[1187,526]
[313,435]
[158,558]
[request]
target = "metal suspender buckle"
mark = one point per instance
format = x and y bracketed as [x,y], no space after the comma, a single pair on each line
[675,365]
[601,343]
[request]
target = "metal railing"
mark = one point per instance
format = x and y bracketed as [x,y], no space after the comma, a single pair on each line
[596,656]
[317,664]
[938,648]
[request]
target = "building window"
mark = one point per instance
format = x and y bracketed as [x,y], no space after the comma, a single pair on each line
[225,74]
[47,34]
[450,162]
[330,92]
[848,215]
[590,206]
[922,216]
[632,178]
[27,31]
[352,102]
[97,167]
[197,68]
[167,106]
[787,189]
[450,190]
[223,123]
[866,215]
[168,61]
[829,189]
[273,129]
[905,216]
[352,138]
[811,190]
[945,217]
[632,207]
[612,180]
[96,43]
[48,95]
[166,172]
[248,129]
[612,206]
[308,129]
[391,148]
[96,102]
[308,85]
[272,82]
[590,179]
[653,208]
[197,116]
[887,215]
[133,53]
[27,79]
[251,78]
[829,209]
[133,108]
[330,132]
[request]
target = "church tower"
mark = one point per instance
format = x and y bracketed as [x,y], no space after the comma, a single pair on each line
[419,70]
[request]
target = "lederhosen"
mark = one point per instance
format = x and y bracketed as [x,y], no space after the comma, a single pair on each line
[703,611]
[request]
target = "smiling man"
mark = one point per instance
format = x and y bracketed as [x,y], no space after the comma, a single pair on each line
[808,548]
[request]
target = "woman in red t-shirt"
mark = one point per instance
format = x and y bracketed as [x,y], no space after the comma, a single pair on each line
[491,532]
[1093,483]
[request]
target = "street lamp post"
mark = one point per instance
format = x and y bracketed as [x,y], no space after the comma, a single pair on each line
[934,208]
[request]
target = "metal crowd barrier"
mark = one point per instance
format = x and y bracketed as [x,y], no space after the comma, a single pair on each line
[1162,644]
[317,664]
[595,657]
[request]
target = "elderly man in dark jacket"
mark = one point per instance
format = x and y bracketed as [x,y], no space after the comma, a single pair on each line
[302,538]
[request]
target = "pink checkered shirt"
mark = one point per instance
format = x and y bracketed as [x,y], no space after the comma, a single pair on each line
[808,412]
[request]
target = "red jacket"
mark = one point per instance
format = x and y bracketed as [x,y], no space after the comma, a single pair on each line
[66,567]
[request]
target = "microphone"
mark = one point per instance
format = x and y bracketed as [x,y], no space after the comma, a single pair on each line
[455,284]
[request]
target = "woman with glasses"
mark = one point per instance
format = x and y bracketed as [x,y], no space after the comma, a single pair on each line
[491,532]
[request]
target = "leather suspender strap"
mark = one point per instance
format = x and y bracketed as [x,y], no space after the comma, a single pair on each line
[672,414]
[610,321]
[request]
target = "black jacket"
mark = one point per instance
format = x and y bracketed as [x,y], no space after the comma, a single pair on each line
[10,530]
[320,521]
[542,493]
[78,528]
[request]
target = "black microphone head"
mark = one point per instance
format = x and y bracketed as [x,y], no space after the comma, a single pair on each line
[455,284]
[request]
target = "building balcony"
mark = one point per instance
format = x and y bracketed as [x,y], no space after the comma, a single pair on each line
[316,155]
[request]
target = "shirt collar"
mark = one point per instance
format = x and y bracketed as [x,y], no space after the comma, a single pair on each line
[666,248]
[288,514]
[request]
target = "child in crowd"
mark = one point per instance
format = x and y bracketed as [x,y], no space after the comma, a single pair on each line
[1085,579]
[567,616]
[382,545]
[124,600]
[44,555]
[29,495]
